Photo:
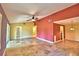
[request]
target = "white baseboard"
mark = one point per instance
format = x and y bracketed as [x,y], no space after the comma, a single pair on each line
[26,37]
[49,41]
[44,40]
[22,37]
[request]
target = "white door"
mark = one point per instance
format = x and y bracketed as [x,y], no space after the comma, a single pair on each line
[18,32]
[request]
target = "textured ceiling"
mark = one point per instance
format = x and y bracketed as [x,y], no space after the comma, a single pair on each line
[19,12]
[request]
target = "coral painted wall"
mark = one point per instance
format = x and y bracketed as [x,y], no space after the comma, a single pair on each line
[69,12]
[45,29]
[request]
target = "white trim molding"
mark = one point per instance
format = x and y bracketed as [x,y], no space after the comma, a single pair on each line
[44,40]
[25,37]
[49,41]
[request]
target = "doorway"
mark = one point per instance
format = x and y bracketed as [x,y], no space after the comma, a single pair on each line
[34,31]
[62,32]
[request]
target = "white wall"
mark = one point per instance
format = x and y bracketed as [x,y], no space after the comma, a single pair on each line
[72,35]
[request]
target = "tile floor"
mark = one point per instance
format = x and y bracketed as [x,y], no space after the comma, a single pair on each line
[21,42]
[40,48]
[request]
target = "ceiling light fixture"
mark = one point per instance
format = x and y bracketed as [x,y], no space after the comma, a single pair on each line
[33,19]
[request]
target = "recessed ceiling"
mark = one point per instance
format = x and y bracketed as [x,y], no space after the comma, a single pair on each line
[14,11]
[74,20]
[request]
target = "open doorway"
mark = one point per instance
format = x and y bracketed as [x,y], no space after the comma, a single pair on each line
[59,32]
[34,31]
[34,41]
[62,32]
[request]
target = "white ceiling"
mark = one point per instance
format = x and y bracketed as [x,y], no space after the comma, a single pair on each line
[74,20]
[17,12]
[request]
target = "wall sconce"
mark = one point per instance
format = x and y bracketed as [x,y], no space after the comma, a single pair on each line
[72,29]
[72,26]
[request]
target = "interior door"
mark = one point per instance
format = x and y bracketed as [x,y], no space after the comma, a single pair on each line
[18,32]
